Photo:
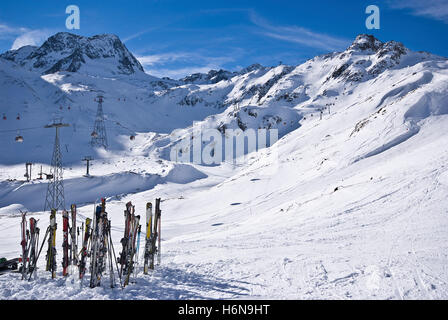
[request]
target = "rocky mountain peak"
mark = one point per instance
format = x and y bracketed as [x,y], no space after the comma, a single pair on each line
[365,42]
[252,67]
[69,52]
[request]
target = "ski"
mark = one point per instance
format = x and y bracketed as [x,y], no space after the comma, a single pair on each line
[34,267]
[99,245]
[153,236]
[84,250]
[34,243]
[111,254]
[65,245]
[128,242]
[137,251]
[125,241]
[24,244]
[132,249]
[74,240]
[155,243]
[94,247]
[51,253]
[148,237]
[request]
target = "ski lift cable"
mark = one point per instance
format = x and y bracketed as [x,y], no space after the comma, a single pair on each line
[119,124]
[126,127]
[21,129]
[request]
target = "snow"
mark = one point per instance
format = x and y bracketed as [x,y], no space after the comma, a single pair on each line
[352,206]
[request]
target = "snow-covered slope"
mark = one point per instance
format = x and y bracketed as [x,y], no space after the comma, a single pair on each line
[349,203]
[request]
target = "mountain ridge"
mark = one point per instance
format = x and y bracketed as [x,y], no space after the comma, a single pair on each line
[69,52]
[280,97]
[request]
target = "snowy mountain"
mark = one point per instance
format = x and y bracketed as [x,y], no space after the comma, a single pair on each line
[349,203]
[106,54]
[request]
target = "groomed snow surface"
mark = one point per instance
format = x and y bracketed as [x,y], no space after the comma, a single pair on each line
[353,206]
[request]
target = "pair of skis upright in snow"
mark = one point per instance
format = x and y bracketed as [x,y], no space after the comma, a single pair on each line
[129,243]
[70,240]
[84,253]
[153,235]
[29,243]
[52,252]
[131,240]
[102,255]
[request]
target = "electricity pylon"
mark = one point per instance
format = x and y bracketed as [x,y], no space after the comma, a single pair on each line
[99,136]
[55,198]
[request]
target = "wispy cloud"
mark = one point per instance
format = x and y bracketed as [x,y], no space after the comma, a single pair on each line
[178,73]
[180,64]
[298,34]
[138,34]
[21,36]
[31,38]
[434,9]
[8,32]
[154,59]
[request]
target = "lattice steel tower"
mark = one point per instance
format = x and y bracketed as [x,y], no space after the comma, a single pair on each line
[55,198]
[99,136]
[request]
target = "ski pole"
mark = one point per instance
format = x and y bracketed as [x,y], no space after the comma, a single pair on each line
[36,243]
[159,213]
[41,247]
[159,256]
[138,248]
[115,258]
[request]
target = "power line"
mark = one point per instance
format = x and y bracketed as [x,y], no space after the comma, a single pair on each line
[55,198]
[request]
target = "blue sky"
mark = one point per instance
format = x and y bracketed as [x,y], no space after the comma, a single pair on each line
[176,38]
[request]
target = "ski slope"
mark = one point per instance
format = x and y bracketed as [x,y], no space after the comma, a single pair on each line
[352,206]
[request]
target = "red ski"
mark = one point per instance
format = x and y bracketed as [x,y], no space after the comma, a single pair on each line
[24,244]
[65,245]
